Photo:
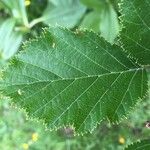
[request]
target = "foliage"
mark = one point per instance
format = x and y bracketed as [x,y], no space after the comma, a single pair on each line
[73,77]
[64,12]
[61,96]
[103,17]
[136,29]
[15,130]
[140,145]
[8,34]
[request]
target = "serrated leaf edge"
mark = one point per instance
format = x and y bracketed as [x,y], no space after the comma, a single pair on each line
[25,44]
[137,142]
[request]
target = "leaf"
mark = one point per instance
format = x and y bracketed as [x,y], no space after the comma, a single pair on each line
[135,34]
[91,21]
[66,13]
[109,25]
[142,145]
[77,79]
[17,9]
[95,4]
[10,39]
[103,19]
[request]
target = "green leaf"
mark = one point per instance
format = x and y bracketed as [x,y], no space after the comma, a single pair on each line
[76,79]
[142,145]
[91,21]
[109,25]
[17,9]
[135,34]
[95,4]
[10,39]
[66,13]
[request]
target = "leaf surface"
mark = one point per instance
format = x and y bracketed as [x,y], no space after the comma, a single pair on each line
[94,4]
[109,25]
[66,13]
[91,21]
[17,9]
[10,39]
[142,145]
[135,34]
[77,79]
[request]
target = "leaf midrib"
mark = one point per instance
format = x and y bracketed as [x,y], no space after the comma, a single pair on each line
[68,79]
[76,78]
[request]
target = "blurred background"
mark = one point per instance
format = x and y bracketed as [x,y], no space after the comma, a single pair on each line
[21,20]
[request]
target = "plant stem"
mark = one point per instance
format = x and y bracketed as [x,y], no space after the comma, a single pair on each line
[24,13]
[35,21]
[22,29]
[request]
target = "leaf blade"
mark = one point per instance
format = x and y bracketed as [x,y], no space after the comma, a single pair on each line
[144,144]
[136,29]
[63,12]
[73,81]
[8,33]
[109,25]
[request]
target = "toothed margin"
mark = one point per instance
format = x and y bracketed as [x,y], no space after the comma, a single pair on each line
[132,59]
[36,119]
[121,18]
[136,143]
[123,117]
[119,40]
[131,109]
[76,133]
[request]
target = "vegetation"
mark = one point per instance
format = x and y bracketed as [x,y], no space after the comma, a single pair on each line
[85,77]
